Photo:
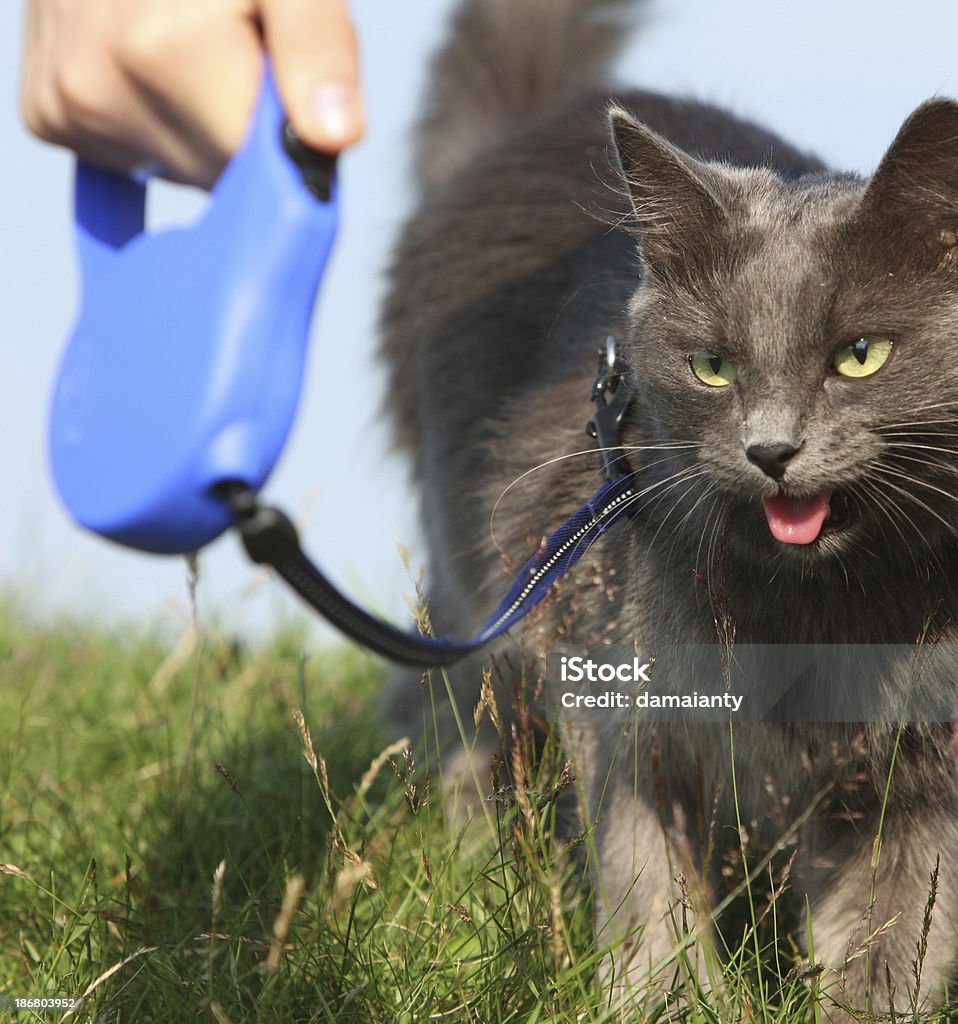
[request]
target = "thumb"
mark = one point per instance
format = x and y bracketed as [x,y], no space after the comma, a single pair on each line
[313,47]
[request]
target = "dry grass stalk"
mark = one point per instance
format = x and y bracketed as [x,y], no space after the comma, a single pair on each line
[284,920]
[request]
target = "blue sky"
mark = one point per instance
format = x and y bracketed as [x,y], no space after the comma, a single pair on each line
[835,78]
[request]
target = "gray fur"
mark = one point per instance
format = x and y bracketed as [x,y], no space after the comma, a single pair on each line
[485,82]
[690,230]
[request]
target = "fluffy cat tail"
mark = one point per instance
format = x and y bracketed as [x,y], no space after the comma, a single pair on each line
[504,62]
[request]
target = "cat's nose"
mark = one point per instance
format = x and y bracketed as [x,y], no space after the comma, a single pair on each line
[771,459]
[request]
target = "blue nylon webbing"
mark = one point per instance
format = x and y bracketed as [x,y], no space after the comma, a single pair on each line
[559,554]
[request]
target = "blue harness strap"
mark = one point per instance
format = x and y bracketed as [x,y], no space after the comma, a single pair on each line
[182,375]
[560,553]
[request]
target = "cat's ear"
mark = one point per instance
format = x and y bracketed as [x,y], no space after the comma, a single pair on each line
[916,183]
[677,215]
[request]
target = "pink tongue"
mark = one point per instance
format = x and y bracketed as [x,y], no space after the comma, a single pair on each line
[797,520]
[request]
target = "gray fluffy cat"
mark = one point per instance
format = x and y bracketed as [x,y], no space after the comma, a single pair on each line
[794,439]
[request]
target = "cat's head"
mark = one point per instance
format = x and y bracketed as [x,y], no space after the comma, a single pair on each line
[795,348]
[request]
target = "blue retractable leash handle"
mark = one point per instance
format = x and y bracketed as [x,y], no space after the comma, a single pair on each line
[182,376]
[184,368]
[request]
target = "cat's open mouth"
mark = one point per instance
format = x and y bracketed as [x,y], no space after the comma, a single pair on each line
[795,520]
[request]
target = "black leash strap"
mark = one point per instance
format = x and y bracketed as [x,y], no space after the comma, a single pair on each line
[270,538]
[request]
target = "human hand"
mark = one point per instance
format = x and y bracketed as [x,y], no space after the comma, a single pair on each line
[171,83]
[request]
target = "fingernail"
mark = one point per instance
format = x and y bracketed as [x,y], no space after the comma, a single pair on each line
[333,104]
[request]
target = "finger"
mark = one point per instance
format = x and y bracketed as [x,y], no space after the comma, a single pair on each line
[313,47]
[169,83]
[196,74]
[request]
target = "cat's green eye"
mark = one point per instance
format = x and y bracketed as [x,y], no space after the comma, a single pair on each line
[712,369]
[862,357]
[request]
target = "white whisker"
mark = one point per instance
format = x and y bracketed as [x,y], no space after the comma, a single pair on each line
[886,471]
[676,446]
[896,445]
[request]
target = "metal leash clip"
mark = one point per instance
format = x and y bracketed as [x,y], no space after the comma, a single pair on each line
[612,395]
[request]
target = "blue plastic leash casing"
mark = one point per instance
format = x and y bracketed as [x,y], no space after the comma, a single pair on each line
[185,365]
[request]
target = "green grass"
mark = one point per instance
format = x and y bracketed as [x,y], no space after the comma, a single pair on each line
[194,830]
[134,771]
